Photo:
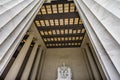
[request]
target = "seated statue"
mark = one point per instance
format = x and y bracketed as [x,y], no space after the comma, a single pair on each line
[64,73]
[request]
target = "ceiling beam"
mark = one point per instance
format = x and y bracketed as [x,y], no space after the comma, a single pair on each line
[57,16]
[64,35]
[57,42]
[70,46]
[74,27]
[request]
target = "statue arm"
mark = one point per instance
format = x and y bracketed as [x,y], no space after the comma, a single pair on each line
[58,73]
[70,73]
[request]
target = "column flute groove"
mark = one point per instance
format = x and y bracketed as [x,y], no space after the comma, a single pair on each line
[36,66]
[11,75]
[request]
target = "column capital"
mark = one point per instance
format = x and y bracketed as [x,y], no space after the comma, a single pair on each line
[35,40]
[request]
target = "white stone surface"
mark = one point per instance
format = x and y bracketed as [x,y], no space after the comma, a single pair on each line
[16,17]
[102,26]
[64,73]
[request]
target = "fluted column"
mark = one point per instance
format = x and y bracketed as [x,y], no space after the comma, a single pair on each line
[28,66]
[36,65]
[102,19]
[41,65]
[19,60]
[16,16]
[91,77]
[94,68]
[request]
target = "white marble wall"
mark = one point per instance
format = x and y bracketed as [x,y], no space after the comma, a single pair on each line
[72,57]
[102,22]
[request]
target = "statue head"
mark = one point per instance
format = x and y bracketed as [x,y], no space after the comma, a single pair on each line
[63,64]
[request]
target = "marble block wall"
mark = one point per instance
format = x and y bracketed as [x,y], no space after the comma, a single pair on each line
[73,58]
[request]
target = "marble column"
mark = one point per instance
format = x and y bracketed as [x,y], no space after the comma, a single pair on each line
[90,73]
[36,65]
[11,75]
[97,61]
[30,61]
[94,68]
[16,17]
[101,19]
[41,65]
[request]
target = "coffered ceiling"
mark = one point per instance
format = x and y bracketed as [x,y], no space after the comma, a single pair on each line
[60,25]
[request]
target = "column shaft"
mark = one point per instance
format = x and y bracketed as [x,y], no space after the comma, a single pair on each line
[19,60]
[41,65]
[28,66]
[93,65]
[91,77]
[106,38]
[35,68]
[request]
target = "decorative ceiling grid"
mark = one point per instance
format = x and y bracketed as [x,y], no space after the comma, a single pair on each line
[60,25]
